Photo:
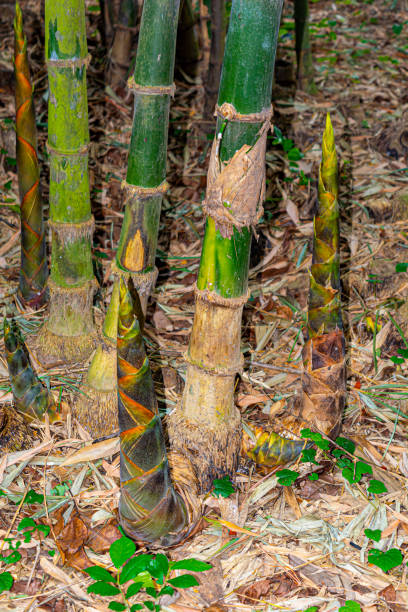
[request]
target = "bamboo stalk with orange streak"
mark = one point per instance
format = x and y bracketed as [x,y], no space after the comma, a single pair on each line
[34,267]
[150,509]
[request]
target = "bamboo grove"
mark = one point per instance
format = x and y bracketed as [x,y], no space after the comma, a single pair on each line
[117,392]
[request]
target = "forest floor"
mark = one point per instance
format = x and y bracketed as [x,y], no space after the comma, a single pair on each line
[272,547]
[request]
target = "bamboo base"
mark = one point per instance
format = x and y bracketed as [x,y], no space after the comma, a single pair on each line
[52,350]
[96,408]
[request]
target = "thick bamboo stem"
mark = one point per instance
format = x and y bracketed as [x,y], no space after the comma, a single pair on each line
[206,424]
[34,267]
[149,508]
[304,58]
[145,180]
[122,44]
[68,335]
[218,32]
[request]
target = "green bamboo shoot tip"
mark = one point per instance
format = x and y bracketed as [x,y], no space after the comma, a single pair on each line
[328,166]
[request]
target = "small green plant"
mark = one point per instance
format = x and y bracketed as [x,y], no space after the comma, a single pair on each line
[350,606]
[293,154]
[150,575]
[222,487]
[385,560]
[373,534]
[286,478]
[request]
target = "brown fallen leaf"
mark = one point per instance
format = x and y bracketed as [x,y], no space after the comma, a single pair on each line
[254,592]
[101,538]
[71,541]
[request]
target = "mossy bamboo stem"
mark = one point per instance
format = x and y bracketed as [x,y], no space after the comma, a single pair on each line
[152,84]
[69,332]
[206,424]
[34,267]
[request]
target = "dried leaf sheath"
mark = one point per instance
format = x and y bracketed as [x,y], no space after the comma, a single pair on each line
[150,510]
[34,268]
[30,395]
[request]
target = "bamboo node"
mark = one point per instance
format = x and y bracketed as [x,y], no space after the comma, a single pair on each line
[83,150]
[229,112]
[236,188]
[143,193]
[82,290]
[210,296]
[151,90]
[143,281]
[70,232]
[70,63]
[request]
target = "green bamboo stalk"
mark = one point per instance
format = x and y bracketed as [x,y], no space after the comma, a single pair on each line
[30,395]
[304,57]
[322,403]
[96,407]
[149,508]
[145,180]
[69,333]
[34,268]
[206,424]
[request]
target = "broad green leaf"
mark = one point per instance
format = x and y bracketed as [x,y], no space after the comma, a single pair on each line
[401,267]
[121,550]
[362,468]
[376,486]
[385,560]
[33,498]
[13,557]
[136,607]
[116,605]
[373,534]
[44,529]
[6,581]
[133,589]
[348,445]
[99,573]
[166,590]
[103,588]
[193,565]
[316,437]
[350,606]
[184,582]
[158,567]
[313,476]
[286,478]
[309,456]
[149,605]
[223,487]
[26,523]
[151,591]
[134,567]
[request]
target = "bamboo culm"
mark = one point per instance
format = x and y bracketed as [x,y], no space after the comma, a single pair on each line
[34,267]
[206,425]
[145,184]
[69,333]
[149,508]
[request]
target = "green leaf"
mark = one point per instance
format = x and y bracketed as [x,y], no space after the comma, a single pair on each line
[362,468]
[166,590]
[13,557]
[136,607]
[350,606]
[312,609]
[385,560]
[26,523]
[116,605]
[348,445]
[286,478]
[44,529]
[401,267]
[295,154]
[149,605]
[373,534]
[121,550]
[134,567]
[348,474]
[309,456]
[133,589]
[376,486]
[313,476]
[344,462]
[397,360]
[158,567]
[193,565]
[6,581]
[33,498]
[151,591]
[103,588]
[316,437]
[403,352]
[28,535]
[397,29]
[223,487]
[184,582]
[99,573]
